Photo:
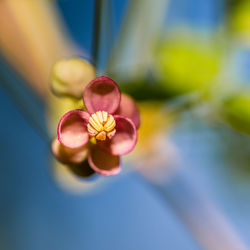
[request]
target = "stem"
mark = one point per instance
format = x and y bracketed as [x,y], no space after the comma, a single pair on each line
[132,52]
[26,100]
[208,226]
[96,31]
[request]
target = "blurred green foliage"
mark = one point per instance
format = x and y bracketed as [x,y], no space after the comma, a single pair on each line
[236,110]
[185,64]
[240,17]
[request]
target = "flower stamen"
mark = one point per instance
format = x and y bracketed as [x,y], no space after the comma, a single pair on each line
[101,125]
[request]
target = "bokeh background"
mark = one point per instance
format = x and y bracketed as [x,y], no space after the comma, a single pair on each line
[187,185]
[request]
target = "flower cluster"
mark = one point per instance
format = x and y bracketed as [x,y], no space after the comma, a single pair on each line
[103,132]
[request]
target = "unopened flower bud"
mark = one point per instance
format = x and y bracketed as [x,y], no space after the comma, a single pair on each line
[70,76]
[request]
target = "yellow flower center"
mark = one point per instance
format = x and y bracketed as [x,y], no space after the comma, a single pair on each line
[101,125]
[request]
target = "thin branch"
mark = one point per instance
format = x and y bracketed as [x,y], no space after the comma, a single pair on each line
[208,226]
[96,31]
[26,100]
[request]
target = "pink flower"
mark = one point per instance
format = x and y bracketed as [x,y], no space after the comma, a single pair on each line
[102,133]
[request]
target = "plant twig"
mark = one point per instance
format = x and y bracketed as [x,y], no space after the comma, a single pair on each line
[208,226]
[96,31]
[26,100]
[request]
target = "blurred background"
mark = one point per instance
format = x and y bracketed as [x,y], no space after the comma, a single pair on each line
[187,184]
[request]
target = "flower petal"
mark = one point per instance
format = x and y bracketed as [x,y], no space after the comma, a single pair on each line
[124,139]
[68,155]
[72,129]
[102,94]
[129,109]
[103,163]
